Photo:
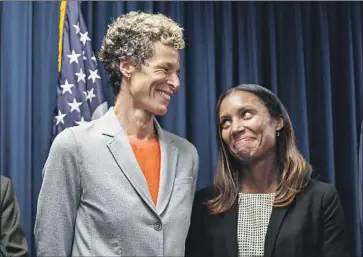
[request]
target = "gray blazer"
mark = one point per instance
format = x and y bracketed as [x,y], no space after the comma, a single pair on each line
[95,201]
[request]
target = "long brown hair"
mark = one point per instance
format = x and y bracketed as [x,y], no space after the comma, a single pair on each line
[294,169]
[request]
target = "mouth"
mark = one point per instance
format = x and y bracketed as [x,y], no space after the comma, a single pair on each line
[242,141]
[165,94]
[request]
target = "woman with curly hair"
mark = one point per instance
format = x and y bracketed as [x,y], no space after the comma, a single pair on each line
[121,185]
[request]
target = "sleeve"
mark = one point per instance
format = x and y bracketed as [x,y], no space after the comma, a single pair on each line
[12,235]
[335,241]
[58,198]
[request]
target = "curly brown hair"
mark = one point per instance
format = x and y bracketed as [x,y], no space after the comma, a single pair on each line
[131,36]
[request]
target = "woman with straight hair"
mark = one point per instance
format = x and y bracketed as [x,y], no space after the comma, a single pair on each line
[263,201]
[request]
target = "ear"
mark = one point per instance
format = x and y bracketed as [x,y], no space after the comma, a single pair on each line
[127,67]
[279,123]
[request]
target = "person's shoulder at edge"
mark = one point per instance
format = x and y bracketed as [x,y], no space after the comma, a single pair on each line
[4,180]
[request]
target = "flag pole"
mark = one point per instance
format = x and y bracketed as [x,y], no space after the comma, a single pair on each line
[62,13]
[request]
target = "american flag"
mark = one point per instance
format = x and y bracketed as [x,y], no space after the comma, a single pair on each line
[79,94]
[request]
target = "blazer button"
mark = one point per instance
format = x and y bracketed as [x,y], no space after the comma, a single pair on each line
[157,226]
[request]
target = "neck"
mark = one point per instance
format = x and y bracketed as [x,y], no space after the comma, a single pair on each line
[136,122]
[261,177]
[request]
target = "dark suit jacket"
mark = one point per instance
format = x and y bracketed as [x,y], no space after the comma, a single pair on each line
[11,234]
[311,226]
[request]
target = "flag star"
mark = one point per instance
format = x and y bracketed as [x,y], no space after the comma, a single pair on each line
[84,37]
[75,105]
[93,58]
[60,117]
[84,57]
[80,76]
[93,75]
[77,27]
[80,122]
[73,57]
[66,87]
[90,95]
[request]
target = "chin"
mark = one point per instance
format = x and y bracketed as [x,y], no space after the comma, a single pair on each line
[160,111]
[245,158]
[156,109]
[245,161]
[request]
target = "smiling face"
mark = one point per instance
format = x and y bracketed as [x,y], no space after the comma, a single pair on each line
[152,85]
[246,126]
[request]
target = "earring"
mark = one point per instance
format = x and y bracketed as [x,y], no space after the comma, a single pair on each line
[277,133]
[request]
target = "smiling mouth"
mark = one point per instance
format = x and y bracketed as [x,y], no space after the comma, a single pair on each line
[167,96]
[242,140]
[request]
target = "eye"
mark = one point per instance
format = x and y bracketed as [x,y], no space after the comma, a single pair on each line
[247,114]
[165,70]
[225,123]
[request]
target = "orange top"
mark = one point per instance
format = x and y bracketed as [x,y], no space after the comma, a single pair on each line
[147,153]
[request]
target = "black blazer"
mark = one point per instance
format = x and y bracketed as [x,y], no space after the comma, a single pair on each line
[311,226]
[12,239]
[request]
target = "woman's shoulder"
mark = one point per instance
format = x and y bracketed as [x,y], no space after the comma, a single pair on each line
[202,196]
[318,189]
[314,185]
[206,193]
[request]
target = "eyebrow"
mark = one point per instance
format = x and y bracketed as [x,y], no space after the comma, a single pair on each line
[169,64]
[224,116]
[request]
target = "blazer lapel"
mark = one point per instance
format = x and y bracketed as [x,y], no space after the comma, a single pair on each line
[121,150]
[230,230]
[277,217]
[124,156]
[169,157]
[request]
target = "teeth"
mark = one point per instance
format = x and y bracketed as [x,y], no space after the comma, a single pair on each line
[165,95]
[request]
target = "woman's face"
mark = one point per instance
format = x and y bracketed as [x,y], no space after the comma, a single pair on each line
[247,127]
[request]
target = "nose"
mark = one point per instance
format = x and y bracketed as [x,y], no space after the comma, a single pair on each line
[237,128]
[174,82]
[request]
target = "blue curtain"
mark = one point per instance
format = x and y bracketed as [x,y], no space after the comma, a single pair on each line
[361,180]
[28,79]
[309,53]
